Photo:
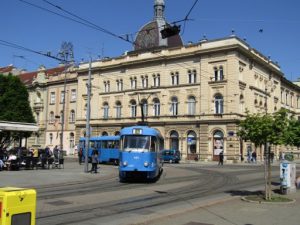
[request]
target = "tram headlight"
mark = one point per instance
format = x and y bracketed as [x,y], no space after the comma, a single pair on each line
[125,163]
[146,164]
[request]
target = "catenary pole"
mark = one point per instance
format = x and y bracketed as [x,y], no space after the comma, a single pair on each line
[88,113]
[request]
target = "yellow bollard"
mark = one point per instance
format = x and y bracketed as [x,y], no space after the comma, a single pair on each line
[17,206]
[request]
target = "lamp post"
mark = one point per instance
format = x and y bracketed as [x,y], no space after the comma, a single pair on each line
[65,53]
[267,150]
[88,113]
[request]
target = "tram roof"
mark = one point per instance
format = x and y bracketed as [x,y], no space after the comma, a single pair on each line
[144,129]
[102,138]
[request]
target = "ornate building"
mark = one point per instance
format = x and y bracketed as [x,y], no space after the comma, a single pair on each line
[194,94]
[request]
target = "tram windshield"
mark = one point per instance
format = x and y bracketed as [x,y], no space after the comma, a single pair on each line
[136,143]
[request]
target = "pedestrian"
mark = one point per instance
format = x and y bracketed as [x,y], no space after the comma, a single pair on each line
[254,157]
[221,158]
[272,157]
[94,161]
[80,154]
[2,165]
[35,158]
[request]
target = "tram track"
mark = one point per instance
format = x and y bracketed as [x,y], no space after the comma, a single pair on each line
[206,183]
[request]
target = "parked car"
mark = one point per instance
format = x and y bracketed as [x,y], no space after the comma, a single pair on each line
[171,156]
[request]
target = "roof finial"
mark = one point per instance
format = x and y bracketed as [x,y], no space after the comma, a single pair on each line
[159,8]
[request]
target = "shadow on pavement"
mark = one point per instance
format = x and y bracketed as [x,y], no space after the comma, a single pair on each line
[244,192]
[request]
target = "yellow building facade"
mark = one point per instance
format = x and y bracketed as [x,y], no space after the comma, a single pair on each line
[194,94]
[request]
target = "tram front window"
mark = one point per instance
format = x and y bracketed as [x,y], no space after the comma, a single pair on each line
[136,143]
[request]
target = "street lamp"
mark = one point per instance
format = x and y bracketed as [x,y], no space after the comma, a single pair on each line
[65,53]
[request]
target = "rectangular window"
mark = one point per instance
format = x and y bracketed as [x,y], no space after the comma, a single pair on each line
[118,111]
[62,97]
[52,98]
[73,95]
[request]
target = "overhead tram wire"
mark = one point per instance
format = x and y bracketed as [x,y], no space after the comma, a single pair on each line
[13,45]
[96,27]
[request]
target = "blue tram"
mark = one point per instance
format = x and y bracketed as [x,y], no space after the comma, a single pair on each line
[140,153]
[107,147]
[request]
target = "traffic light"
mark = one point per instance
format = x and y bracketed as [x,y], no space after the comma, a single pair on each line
[169,31]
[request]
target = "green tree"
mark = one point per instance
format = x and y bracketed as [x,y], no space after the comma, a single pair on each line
[276,129]
[14,107]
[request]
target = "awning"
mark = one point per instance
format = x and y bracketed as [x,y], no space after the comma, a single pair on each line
[15,126]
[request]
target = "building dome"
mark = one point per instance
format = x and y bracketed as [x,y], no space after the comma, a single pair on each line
[150,37]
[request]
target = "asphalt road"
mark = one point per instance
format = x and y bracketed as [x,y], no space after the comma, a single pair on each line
[70,196]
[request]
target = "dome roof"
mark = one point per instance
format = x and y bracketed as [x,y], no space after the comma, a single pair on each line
[150,37]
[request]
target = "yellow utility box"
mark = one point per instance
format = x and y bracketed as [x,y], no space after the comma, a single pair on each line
[17,206]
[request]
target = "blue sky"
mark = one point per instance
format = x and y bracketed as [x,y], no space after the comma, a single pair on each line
[41,31]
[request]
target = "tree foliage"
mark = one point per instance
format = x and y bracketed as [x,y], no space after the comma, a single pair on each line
[276,129]
[14,107]
[14,102]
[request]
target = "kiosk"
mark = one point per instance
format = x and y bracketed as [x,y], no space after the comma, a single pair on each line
[287,177]
[17,206]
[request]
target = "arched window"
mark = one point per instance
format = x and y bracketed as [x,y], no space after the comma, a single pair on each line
[191,105]
[174,106]
[104,133]
[72,140]
[174,140]
[218,143]
[51,117]
[72,116]
[145,107]
[117,133]
[191,142]
[50,138]
[156,107]
[133,108]
[105,110]
[219,104]
[118,109]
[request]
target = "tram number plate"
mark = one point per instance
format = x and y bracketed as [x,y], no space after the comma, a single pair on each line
[136,157]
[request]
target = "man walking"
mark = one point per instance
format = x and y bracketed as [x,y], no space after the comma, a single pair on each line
[221,158]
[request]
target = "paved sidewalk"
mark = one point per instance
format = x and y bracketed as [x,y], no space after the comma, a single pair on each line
[72,172]
[237,212]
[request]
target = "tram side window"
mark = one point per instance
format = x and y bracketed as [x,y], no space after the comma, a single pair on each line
[153,144]
[93,144]
[104,144]
[116,143]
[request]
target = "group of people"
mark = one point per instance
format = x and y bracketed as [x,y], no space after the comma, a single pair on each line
[15,158]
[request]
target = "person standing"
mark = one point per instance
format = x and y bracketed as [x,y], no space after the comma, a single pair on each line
[221,158]
[35,158]
[94,161]
[80,154]
[254,156]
